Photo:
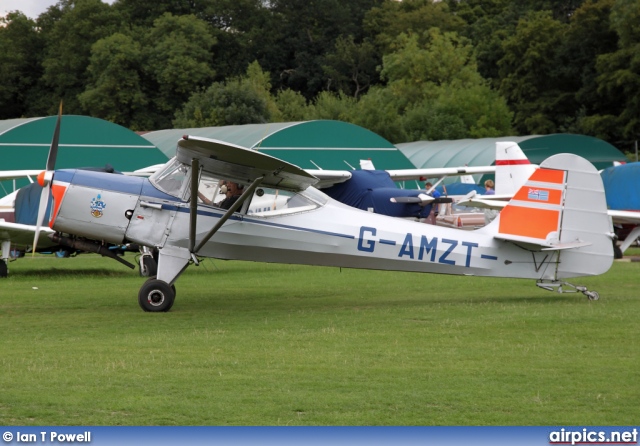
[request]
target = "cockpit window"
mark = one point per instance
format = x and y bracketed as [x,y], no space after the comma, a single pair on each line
[211,190]
[268,202]
[172,178]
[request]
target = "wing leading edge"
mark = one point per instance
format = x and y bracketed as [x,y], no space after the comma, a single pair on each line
[236,163]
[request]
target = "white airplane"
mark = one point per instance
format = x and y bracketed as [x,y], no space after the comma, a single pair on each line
[561,232]
[16,235]
[519,170]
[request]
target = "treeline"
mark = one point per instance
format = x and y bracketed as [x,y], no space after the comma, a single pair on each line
[408,70]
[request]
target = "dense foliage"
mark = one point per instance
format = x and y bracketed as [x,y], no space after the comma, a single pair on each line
[408,70]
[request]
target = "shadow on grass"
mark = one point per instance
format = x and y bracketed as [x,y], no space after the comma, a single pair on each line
[74,273]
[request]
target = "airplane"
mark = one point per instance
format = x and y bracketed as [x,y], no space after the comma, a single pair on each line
[620,182]
[562,232]
[368,189]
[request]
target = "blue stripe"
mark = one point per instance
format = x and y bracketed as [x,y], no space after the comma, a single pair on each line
[488,257]
[103,181]
[387,242]
[112,182]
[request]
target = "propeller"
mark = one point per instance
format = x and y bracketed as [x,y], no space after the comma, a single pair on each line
[421,199]
[45,178]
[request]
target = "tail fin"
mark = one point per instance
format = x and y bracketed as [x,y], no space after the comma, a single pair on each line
[562,207]
[512,168]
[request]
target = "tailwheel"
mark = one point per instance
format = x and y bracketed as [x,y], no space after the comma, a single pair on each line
[156,296]
[592,295]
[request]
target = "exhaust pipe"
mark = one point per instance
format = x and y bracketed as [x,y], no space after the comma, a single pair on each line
[88,246]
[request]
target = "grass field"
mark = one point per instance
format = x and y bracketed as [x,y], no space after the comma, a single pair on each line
[259,344]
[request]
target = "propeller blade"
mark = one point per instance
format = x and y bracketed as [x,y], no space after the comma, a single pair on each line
[406,200]
[53,151]
[45,180]
[195,173]
[42,209]
[421,199]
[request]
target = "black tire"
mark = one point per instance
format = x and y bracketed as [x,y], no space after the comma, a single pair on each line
[4,269]
[149,267]
[156,296]
[617,252]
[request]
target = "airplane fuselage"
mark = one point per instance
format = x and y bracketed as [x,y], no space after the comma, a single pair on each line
[119,209]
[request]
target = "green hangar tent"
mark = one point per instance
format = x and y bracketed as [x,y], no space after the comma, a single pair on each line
[322,144]
[482,152]
[84,142]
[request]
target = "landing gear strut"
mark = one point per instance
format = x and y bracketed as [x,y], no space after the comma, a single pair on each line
[554,285]
[156,296]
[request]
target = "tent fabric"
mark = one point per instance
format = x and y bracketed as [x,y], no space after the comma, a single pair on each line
[482,152]
[319,144]
[373,190]
[84,141]
[622,186]
[27,203]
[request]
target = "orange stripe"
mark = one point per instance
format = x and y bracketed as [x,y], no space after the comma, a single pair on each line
[548,176]
[528,222]
[58,193]
[555,196]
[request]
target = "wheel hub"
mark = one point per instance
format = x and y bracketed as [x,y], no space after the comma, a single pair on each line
[155,298]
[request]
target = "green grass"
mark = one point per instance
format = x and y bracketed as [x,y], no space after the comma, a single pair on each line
[259,344]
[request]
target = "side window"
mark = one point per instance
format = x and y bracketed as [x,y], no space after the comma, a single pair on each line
[172,179]
[267,202]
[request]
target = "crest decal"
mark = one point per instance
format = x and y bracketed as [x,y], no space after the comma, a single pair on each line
[97,206]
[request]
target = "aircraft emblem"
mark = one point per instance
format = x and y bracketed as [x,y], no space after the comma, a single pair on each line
[97,206]
[537,194]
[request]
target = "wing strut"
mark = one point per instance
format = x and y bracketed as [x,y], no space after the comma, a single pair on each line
[246,194]
[193,211]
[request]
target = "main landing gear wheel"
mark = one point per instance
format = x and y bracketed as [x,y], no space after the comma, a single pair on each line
[156,296]
[4,269]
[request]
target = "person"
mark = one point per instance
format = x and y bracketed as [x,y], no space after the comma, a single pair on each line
[431,219]
[490,187]
[489,214]
[234,190]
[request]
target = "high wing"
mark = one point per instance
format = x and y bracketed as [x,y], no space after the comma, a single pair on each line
[330,177]
[236,163]
[440,172]
[625,217]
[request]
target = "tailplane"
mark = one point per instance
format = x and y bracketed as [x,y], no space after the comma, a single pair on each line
[561,209]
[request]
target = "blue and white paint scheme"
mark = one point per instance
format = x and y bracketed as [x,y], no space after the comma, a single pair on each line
[280,217]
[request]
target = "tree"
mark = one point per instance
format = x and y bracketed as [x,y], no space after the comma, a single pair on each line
[530,79]
[619,76]
[392,18]
[115,90]
[351,68]
[20,63]
[305,32]
[242,100]
[177,62]
[69,42]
